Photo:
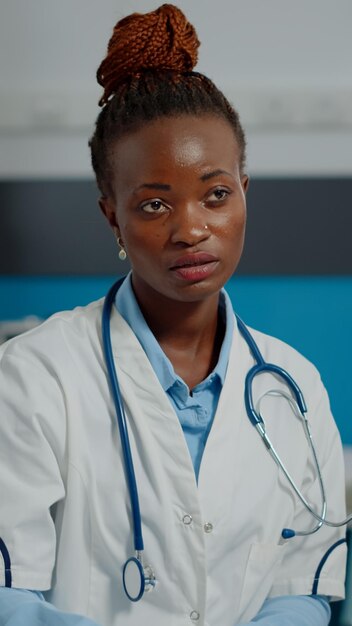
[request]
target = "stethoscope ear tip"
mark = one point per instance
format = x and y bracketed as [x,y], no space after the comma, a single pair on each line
[288,533]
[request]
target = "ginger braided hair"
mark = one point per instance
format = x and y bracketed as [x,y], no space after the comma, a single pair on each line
[162,39]
[148,74]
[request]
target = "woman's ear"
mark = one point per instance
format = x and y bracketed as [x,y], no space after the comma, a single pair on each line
[245,182]
[108,208]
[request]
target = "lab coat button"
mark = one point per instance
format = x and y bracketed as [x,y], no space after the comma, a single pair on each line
[208,527]
[187,519]
[194,615]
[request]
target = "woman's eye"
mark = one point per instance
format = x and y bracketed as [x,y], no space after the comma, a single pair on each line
[154,206]
[218,194]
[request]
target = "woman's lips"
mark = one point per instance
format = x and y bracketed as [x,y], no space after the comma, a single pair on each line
[194,267]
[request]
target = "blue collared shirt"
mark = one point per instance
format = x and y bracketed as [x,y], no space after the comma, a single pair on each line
[196,409]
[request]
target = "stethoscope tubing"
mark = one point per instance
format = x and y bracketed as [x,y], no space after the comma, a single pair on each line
[260,367]
[121,417]
[287,533]
[256,419]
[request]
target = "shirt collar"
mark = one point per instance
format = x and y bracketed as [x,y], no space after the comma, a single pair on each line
[128,308]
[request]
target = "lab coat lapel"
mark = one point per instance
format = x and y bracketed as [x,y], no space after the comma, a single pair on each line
[220,469]
[150,411]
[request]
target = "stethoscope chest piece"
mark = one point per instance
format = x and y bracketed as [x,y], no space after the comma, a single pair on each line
[137,579]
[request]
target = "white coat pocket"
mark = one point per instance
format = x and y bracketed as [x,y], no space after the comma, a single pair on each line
[262,565]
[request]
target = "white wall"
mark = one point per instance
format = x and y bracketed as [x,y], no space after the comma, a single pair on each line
[285,65]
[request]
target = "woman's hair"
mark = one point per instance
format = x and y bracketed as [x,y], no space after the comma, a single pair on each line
[146,75]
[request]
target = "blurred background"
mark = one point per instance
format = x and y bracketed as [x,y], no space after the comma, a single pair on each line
[286,67]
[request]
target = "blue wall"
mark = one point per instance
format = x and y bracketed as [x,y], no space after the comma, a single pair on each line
[314,314]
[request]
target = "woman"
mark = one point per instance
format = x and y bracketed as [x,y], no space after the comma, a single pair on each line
[169,156]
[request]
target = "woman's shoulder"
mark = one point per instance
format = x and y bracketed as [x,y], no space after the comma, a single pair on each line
[279,352]
[65,329]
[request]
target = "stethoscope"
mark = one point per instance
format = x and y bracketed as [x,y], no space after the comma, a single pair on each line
[139,577]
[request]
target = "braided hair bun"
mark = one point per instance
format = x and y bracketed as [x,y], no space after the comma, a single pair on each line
[160,40]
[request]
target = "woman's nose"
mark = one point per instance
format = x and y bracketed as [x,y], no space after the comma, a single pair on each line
[189,226]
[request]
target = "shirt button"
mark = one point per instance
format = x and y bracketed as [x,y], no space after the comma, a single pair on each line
[194,615]
[208,527]
[187,519]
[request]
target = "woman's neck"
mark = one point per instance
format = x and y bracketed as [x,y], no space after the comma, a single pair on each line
[189,333]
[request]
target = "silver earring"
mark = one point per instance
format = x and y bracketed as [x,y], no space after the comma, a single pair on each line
[122,251]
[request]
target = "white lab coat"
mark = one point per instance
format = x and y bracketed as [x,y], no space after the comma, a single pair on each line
[65,509]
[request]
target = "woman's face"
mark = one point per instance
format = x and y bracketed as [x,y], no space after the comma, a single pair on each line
[178,205]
